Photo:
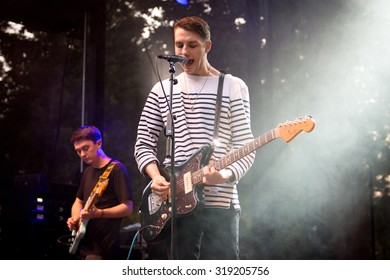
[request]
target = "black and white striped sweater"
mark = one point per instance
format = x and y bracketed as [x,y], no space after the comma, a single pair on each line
[194,103]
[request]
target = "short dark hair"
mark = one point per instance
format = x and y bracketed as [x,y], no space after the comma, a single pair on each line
[194,24]
[86,132]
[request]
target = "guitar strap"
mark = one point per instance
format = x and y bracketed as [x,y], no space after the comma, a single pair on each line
[218,107]
[105,174]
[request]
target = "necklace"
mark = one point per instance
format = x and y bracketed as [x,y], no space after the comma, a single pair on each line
[193,100]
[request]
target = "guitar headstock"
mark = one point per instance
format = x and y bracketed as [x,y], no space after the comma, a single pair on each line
[102,186]
[290,129]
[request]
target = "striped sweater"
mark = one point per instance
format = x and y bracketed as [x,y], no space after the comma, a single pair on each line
[194,103]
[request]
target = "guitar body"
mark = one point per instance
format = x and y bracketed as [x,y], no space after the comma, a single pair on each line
[76,237]
[156,214]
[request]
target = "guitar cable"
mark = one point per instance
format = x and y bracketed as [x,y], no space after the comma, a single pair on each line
[136,235]
[69,238]
[68,241]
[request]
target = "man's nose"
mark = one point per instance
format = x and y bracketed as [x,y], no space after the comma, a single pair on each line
[185,50]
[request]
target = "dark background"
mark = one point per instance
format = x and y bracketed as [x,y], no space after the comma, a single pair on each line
[324,195]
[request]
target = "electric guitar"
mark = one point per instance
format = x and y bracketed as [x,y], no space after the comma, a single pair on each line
[82,225]
[155,213]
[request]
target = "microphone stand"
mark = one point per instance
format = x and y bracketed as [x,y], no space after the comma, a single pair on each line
[170,147]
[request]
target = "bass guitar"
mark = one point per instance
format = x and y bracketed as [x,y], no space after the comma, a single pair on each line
[156,214]
[78,234]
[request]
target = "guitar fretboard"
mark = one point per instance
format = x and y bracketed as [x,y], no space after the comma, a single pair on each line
[236,154]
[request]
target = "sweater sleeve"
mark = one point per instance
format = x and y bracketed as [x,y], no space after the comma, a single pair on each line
[149,128]
[241,132]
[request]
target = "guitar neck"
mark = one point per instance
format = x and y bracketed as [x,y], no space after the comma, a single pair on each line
[239,153]
[245,150]
[91,200]
[96,193]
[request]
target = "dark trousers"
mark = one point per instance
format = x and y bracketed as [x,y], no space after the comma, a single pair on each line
[209,234]
[220,239]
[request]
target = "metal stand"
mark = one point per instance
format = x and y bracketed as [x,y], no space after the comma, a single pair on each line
[170,146]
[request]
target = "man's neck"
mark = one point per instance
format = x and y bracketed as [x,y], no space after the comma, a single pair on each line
[101,161]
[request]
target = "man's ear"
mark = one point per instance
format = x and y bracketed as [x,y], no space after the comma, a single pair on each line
[99,143]
[208,46]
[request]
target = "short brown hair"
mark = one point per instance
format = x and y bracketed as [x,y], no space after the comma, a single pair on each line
[86,132]
[194,24]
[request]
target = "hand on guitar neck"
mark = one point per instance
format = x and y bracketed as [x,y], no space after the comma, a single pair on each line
[213,176]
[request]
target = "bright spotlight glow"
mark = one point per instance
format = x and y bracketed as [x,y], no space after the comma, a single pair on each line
[182,2]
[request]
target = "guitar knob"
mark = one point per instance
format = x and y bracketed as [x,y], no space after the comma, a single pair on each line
[164,216]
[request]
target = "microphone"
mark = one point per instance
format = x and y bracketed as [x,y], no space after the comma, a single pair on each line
[174,58]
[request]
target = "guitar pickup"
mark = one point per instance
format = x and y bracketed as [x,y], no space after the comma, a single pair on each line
[187,178]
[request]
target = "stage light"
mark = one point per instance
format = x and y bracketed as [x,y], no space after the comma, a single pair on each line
[182,2]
